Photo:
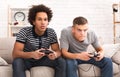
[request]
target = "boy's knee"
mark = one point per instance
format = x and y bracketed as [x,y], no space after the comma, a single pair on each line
[17,61]
[108,61]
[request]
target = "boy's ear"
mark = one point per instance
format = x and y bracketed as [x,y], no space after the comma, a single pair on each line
[72,29]
[33,22]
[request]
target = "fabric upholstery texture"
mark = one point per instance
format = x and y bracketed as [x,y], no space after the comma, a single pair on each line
[42,71]
[116,57]
[3,62]
[111,49]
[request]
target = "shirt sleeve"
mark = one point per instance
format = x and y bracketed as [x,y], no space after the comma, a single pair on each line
[21,36]
[54,37]
[63,39]
[96,42]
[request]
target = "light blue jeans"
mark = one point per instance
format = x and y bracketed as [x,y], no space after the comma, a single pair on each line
[105,65]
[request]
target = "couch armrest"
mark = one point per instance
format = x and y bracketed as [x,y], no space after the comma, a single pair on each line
[6,47]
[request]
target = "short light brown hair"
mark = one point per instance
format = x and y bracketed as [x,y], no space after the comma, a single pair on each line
[80,21]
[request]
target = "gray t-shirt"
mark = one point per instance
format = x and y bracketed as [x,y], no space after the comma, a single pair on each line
[68,42]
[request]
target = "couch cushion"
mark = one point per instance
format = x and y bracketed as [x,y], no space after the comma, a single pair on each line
[115,68]
[111,49]
[88,70]
[6,47]
[6,71]
[42,71]
[116,57]
[3,62]
[27,73]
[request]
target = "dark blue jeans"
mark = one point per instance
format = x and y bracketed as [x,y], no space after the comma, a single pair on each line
[20,65]
[105,65]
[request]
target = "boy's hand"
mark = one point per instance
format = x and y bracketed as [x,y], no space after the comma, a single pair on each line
[37,54]
[52,56]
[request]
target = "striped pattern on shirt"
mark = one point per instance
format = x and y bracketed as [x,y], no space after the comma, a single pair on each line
[32,41]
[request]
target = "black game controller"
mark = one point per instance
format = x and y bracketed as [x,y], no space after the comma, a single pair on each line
[94,54]
[46,51]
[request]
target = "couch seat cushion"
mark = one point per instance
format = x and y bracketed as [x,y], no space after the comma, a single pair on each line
[6,71]
[27,73]
[115,68]
[42,71]
[88,70]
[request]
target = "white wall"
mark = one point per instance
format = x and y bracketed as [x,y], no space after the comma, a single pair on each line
[3,18]
[98,13]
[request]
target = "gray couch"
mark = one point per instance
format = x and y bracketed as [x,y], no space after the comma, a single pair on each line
[84,70]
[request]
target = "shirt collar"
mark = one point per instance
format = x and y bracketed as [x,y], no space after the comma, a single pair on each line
[36,35]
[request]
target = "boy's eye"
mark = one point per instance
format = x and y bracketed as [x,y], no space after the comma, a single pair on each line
[79,30]
[45,19]
[82,30]
[85,30]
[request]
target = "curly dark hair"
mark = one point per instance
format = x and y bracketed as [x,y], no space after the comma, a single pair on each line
[38,8]
[80,21]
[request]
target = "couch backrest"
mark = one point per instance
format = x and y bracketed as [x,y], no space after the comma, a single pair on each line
[6,47]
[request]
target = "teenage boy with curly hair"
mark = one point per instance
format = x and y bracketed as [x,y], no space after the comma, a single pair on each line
[31,40]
